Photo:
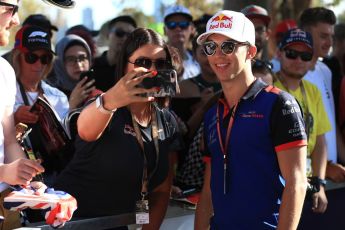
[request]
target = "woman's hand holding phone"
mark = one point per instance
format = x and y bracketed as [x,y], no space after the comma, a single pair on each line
[80,92]
[126,90]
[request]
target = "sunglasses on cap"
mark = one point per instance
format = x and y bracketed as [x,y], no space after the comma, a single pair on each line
[147,63]
[14,8]
[32,58]
[173,25]
[294,54]
[227,47]
[120,33]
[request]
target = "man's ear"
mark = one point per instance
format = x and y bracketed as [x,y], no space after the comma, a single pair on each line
[251,52]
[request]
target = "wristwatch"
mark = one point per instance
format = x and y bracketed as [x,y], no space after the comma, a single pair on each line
[100,106]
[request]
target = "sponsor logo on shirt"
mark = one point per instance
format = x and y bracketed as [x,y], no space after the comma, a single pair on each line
[292,107]
[297,130]
[252,114]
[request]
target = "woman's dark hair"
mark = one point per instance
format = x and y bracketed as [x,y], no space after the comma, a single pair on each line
[138,38]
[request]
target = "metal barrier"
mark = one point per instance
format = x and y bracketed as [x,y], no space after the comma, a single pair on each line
[332,218]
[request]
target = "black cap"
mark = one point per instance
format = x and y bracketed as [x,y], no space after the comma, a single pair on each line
[67,4]
[83,28]
[39,20]
[30,38]
[123,18]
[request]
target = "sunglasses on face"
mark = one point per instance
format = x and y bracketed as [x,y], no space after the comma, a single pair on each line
[293,54]
[173,25]
[147,63]
[227,47]
[71,60]
[14,8]
[32,58]
[120,33]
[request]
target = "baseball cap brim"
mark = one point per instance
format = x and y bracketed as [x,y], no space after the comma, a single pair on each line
[190,18]
[264,18]
[298,43]
[203,37]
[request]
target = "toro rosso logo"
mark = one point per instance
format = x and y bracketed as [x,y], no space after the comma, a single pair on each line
[221,22]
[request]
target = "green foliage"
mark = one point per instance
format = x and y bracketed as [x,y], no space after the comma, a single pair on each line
[198,7]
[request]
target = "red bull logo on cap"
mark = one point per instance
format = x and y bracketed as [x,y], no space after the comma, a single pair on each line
[221,22]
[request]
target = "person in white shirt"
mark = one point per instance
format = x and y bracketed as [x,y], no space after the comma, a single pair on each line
[320,22]
[15,169]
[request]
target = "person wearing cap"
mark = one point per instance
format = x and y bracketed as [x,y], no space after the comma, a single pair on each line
[41,21]
[261,20]
[319,22]
[179,29]
[15,168]
[255,178]
[104,66]
[36,20]
[295,55]
[32,60]
[280,30]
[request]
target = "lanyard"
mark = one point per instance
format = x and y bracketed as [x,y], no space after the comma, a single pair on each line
[224,148]
[307,115]
[146,177]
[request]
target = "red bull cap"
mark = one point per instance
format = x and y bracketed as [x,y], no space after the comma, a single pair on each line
[231,24]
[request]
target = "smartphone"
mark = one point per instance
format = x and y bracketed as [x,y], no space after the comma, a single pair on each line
[166,80]
[89,74]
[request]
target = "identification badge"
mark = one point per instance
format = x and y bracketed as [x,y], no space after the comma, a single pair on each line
[142,212]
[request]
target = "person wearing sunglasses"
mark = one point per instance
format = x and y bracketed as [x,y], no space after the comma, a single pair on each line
[295,55]
[319,22]
[117,135]
[254,140]
[179,29]
[104,66]
[73,59]
[32,60]
[15,168]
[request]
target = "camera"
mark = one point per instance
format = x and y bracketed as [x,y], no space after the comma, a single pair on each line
[166,80]
[89,74]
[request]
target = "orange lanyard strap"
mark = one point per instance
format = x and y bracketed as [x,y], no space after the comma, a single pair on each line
[224,148]
[146,177]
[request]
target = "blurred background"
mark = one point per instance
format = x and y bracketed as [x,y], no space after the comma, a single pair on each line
[149,13]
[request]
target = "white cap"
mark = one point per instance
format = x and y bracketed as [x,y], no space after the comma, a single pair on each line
[177,9]
[230,24]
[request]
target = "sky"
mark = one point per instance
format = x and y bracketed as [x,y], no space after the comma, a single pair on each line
[107,9]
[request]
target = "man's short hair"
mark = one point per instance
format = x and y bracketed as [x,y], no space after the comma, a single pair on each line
[312,16]
[124,18]
[339,32]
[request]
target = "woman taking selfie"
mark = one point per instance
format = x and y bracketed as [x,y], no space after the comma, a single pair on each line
[125,154]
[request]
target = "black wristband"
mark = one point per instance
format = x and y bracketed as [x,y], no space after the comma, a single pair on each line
[316,182]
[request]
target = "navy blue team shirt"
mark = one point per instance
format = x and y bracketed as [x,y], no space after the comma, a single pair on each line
[266,121]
